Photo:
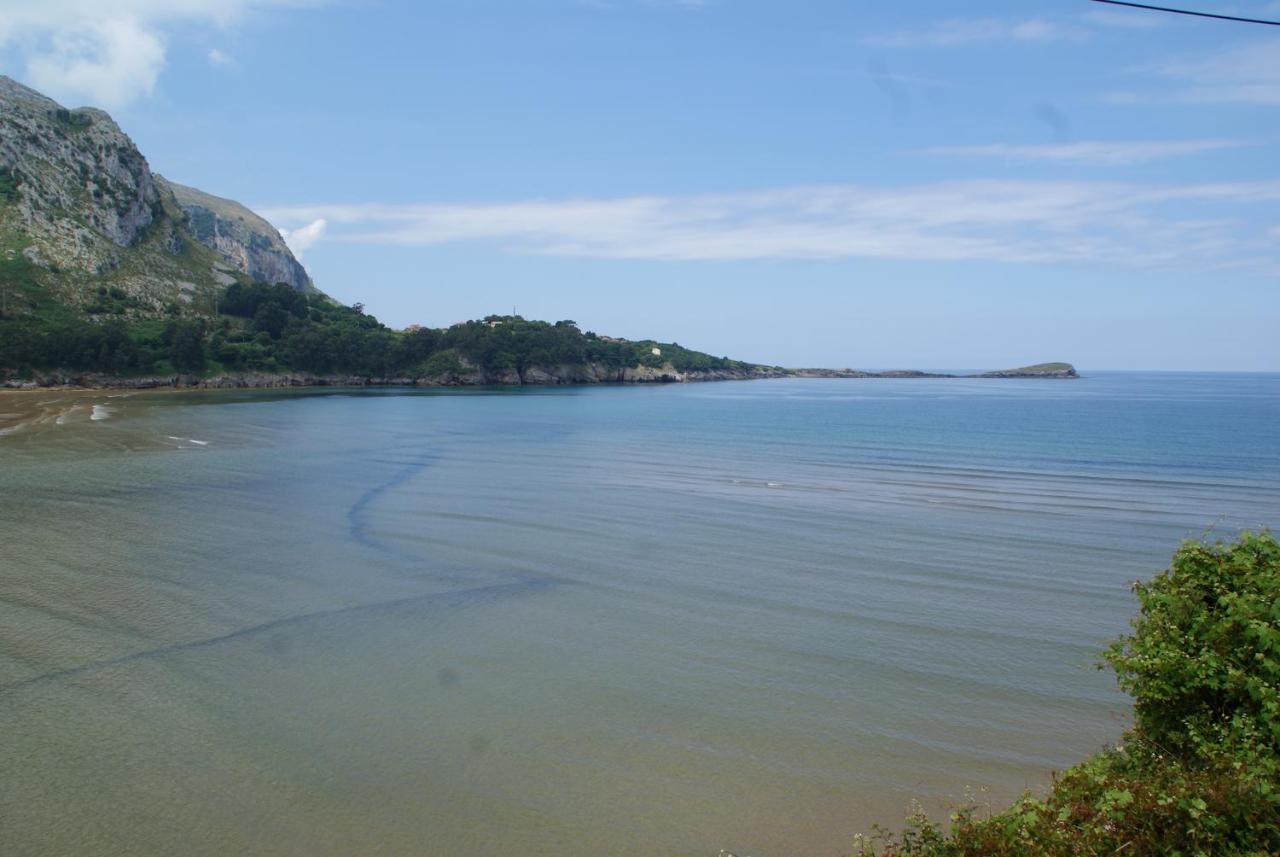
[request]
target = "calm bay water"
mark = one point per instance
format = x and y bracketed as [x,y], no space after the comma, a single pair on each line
[663,621]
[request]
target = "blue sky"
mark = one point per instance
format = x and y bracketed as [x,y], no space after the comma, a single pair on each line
[925,184]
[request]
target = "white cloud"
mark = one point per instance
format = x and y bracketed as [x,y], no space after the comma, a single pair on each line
[1098,152]
[1007,221]
[303,237]
[965,31]
[1244,74]
[217,57]
[110,52]
[110,61]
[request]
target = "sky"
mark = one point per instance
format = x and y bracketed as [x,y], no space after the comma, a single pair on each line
[920,183]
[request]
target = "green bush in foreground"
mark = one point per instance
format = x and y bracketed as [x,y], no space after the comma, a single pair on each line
[1199,773]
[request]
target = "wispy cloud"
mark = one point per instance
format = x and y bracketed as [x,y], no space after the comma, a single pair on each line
[1096,152]
[1209,225]
[967,31]
[1026,30]
[110,52]
[1244,74]
[1126,20]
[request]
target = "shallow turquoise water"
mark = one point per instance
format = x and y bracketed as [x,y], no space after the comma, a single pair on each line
[757,616]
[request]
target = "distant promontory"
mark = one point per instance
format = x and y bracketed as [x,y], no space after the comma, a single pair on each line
[1038,370]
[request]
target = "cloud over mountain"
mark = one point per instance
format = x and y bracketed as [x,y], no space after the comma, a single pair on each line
[109,53]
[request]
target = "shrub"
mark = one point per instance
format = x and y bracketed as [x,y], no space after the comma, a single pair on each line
[1203,662]
[73,119]
[1199,773]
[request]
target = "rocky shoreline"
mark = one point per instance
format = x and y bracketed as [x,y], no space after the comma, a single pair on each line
[533,376]
[543,376]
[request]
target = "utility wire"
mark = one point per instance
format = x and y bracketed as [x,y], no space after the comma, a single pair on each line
[1189,12]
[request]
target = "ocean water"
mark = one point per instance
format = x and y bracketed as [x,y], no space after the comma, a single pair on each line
[758,616]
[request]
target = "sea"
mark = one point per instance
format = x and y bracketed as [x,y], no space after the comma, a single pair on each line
[758,616]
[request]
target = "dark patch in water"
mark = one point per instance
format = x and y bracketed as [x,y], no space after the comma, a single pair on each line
[453,599]
[357,515]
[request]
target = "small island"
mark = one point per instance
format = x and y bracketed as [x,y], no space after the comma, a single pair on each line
[1039,370]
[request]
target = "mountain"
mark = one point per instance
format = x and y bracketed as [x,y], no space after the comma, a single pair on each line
[111,275]
[239,235]
[79,202]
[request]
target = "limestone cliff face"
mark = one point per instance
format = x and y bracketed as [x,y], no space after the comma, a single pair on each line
[252,244]
[84,190]
[79,200]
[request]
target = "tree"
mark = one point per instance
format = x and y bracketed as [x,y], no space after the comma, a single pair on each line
[185,341]
[271,319]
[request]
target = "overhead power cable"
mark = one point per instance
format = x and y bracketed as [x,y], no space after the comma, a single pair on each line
[1189,12]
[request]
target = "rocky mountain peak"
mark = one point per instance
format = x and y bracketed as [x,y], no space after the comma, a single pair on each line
[11,90]
[79,200]
[85,187]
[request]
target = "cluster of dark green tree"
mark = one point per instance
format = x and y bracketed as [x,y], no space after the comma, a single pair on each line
[1199,773]
[8,185]
[37,332]
[273,328]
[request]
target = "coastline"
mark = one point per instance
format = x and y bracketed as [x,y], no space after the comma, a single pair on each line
[539,376]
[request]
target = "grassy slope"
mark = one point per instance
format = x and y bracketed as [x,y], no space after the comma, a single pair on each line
[1043,367]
